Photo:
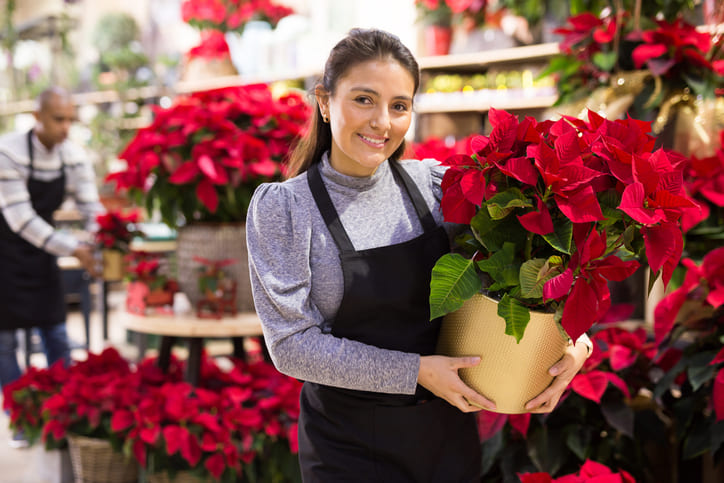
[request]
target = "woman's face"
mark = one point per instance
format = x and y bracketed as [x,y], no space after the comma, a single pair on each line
[369,114]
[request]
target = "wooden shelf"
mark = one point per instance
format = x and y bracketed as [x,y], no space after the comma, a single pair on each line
[149,92]
[484,105]
[477,60]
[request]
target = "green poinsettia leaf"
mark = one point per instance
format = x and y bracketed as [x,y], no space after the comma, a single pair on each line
[516,316]
[500,205]
[535,273]
[562,236]
[502,268]
[454,280]
[700,370]
[609,202]
[485,231]
[605,60]
[491,234]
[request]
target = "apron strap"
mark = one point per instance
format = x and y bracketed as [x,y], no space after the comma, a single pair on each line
[331,217]
[326,207]
[31,154]
[423,211]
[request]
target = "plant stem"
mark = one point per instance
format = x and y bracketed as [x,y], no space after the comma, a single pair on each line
[529,245]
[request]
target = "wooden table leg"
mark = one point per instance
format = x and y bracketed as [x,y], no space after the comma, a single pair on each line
[239,350]
[164,353]
[193,365]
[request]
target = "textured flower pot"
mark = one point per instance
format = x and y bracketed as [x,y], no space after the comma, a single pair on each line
[112,265]
[180,477]
[214,241]
[94,461]
[510,374]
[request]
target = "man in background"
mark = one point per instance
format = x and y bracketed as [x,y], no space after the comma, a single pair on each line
[39,169]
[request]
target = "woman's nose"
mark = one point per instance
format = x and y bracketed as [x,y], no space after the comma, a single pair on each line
[380,119]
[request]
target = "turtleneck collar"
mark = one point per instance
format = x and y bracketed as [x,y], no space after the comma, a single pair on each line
[359,183]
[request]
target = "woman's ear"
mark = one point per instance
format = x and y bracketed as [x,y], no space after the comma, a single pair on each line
[322,97]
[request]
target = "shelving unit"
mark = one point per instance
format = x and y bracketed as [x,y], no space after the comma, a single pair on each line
[458,114]
[478,60]
[151,92]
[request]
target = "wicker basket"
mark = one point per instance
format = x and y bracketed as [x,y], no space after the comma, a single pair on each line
[94,461]
[180,477]
[509,373]
[214,241]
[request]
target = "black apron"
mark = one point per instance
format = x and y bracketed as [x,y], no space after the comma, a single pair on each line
[347,435]
[31,288]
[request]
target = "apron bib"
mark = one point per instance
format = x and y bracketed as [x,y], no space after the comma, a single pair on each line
[31,288]
[348,435]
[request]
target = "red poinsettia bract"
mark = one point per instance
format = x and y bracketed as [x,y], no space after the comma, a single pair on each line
[590,471]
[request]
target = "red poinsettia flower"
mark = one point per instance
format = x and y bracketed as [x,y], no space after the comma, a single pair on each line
[670,45]
[116,229]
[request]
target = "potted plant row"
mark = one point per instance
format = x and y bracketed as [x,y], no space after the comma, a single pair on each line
[239,424]
[198,164]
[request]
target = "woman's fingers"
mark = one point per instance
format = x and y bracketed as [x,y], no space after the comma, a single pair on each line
[440,375]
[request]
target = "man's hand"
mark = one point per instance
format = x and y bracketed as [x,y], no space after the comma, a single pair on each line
[84,254]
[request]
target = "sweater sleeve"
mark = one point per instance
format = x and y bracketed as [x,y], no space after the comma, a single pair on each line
[20,216]
[279,237]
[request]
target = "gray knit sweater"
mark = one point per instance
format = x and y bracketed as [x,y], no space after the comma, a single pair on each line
[297,279]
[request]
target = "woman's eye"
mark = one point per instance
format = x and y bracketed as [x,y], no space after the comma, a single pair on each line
[363,100]
[401,107]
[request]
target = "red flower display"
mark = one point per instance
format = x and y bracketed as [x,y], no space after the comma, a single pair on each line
[556,210]
[231,15]
[596,48]
[238,422]
[202,158]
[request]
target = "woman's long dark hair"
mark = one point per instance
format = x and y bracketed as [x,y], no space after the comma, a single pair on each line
[360,45]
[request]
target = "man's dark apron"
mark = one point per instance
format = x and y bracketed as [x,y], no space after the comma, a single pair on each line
[31,289]
[347,435]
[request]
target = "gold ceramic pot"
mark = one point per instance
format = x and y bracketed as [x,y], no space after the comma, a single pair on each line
[112,265]
[510,374]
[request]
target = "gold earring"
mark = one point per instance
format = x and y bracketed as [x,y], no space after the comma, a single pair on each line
[325,118]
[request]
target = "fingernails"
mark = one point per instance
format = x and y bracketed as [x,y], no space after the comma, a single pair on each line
[554,371]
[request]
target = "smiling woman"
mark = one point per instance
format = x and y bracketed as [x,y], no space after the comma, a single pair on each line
[340,256]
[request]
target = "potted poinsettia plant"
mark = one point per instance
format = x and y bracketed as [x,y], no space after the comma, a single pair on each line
[689,330]
[237,423]
[115,232]
[23,398]
[198,164]
[555,211]
[149,288]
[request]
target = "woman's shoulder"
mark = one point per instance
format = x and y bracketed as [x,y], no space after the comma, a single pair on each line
[279,199]
[424,169]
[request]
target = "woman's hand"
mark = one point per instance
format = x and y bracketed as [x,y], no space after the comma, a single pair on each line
[439,374]
[564,370]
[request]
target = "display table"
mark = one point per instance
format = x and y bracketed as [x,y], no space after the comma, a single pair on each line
[190,327]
